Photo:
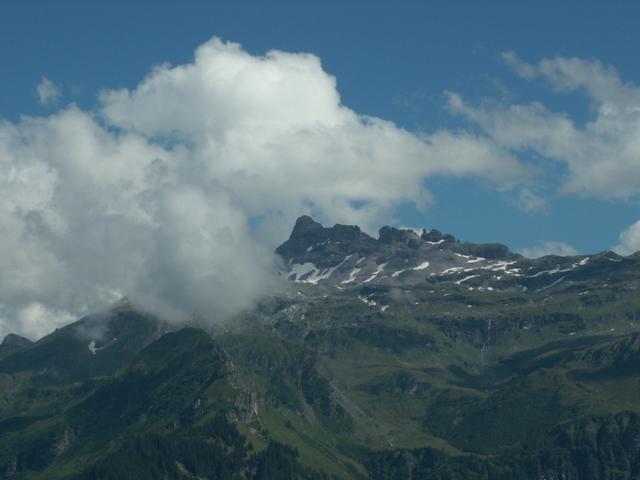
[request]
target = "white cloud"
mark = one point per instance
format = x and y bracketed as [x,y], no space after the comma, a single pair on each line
[602,157]
[48,92]
[601,82]
[549,248]
[521,68]
[200,171]
[280,136]
[629,240]
[36,320]
[529,201]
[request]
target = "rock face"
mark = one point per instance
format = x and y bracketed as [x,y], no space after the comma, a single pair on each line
[344,257]
[324,247]
[491,251]
[437,236]
[390,236]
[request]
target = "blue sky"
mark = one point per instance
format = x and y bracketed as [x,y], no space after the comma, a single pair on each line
[391,61]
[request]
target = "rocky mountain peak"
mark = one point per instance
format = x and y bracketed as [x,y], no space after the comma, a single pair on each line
[305,226]
[343,257]
[324,246]
[437,236]
[389,235]
[307,231]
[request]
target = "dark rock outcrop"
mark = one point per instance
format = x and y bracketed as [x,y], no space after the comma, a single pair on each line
[492,251]
[324,246]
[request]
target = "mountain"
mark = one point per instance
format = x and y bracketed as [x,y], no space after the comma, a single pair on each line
[407,356]
[71,353]
[343,257]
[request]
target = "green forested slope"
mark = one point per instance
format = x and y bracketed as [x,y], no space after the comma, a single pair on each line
[536,378]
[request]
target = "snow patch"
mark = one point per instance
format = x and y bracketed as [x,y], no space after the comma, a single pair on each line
[557,269]
[503,266]
[422,266]
[309,273]
[352,276]
[299,270]
[554,283]
[370,303]
[476,260]
[453,270]
[469,277]
[376,273]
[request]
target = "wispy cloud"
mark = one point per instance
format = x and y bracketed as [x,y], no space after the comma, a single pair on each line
[602,157]
[549,248]
[530,202]
[629,240]
[48,92]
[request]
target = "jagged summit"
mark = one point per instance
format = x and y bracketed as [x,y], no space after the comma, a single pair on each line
[390,235]
[344,257]
[334,242]
[437,236]
[304,223]
[306,229]
[309,233]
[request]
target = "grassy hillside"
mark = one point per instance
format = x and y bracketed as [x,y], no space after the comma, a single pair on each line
[432,381]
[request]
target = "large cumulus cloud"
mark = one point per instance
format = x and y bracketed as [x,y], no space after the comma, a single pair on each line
[175,192]
[272,130]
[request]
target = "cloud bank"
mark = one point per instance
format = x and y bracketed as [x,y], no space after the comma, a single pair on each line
[174,193]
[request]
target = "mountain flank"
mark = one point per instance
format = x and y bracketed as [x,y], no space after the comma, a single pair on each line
[407,356]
